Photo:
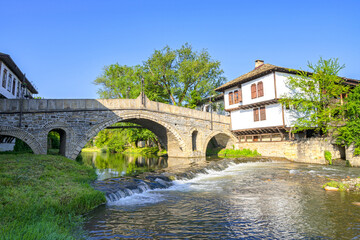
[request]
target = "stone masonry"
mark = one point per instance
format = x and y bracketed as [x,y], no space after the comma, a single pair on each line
[82,119]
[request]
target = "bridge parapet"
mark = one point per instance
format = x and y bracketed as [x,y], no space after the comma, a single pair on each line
[59,105]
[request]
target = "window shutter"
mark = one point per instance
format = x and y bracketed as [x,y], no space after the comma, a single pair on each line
[236,96]
[256,114]
[240,95]
[231,98]
[260,89]
[262,114]
[253,90]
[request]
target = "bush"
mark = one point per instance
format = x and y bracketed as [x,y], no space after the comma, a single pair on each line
[328,157]
[21,147]
[238,153]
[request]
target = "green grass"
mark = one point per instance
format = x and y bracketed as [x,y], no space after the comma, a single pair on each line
[238,153]
[341,186]
[43,197]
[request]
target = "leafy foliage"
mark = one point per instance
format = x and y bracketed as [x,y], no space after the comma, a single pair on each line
[328,157]
[350,132]
[181,77]
[316,97]
[21,147]
[117,140]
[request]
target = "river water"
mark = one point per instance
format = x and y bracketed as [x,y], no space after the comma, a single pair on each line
[248,200]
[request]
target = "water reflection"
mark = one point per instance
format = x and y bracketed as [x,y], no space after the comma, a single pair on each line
[114,165]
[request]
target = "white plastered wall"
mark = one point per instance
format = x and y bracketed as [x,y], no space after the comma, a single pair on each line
[244,119]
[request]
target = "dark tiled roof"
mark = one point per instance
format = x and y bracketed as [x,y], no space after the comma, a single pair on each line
[14,68]
[266,69]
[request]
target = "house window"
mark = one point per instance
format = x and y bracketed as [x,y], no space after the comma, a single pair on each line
[253,91]
[236,96]
[231,98]
[9,83]
[4,78]
[14,85]
[256,114]
[18,90]
[260,89]
[262,114]
[259,114]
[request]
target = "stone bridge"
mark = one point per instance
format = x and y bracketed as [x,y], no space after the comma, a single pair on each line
[183,132]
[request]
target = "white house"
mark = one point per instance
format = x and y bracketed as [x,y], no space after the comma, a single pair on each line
[253,102]
[13,82]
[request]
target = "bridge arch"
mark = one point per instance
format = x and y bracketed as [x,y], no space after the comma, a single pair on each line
[66,136]
[224,138]
[166,133]
[24,136]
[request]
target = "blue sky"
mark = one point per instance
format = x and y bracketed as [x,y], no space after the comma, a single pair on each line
[63,45]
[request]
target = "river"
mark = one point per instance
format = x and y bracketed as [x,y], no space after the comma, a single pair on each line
[248,200]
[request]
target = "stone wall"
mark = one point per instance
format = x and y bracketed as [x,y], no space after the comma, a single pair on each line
[309,150]
[353,160]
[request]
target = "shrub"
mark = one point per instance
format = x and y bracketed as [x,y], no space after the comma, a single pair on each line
[328,156]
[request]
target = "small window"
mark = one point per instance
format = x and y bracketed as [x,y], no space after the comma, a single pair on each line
[236,96]
[9,83]
[4,78]
[18,90]
[14,85]
[260,89]
[262,114]
[231,98]
[256,114]
[253,91]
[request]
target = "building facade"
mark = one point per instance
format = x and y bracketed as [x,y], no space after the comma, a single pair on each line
[253,103]
[14,84]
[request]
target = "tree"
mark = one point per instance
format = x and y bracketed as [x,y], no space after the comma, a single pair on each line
[180,77]
[350,132]
[120,81]
[183,76]
[315,97]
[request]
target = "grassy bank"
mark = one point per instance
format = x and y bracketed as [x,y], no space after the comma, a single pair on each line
[43,197]
[238,153]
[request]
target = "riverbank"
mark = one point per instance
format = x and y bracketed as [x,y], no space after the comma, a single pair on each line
[44,196]
[143,151]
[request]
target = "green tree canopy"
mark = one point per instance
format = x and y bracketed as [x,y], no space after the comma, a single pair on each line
[180,77]
[316,96]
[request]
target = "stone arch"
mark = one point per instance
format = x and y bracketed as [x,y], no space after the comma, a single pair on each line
[66,136]
[230,135]
[123,117]
[24,136]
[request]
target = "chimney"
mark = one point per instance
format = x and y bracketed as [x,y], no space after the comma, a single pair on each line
[258,63]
